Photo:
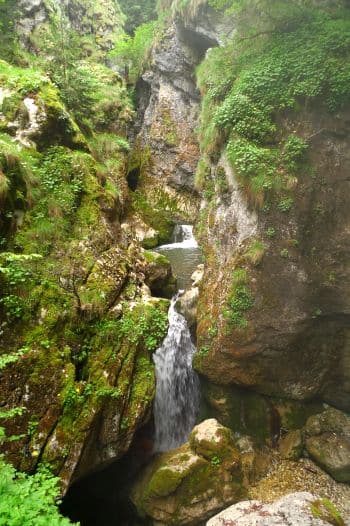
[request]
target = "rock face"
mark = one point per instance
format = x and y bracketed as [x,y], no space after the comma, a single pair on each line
[166,149]
[295,343]
[86,324]
[292,510]
[100,20]
[186,485]
[328,442]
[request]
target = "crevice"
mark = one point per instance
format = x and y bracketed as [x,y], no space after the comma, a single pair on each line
[133,178]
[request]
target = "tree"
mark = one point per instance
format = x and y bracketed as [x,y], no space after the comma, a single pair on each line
[63,60]
[138,12]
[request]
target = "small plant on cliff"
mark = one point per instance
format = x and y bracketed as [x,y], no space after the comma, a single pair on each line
[240,300]
[16,272]
[134,51]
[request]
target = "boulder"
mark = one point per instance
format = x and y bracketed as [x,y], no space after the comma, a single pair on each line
[187,485]
[292,510]
[328,442]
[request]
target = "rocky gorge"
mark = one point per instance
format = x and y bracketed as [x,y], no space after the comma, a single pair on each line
[236,121]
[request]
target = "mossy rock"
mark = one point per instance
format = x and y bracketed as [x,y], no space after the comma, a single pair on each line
[184,486]
[159,275]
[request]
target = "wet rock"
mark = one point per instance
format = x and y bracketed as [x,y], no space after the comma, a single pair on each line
[291,445]
[102,20]
[187,303]
[188,484]
[291,510]
[159,275]
[328,442]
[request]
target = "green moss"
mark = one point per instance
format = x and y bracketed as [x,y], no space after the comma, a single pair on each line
[164,482]
[325,510]
[240,300]
[156,215]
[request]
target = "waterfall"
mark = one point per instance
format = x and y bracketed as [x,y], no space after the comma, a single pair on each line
[177,394]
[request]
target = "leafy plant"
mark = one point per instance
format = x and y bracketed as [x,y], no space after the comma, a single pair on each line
[134,50]
[215,460]
[29,499]
[283,55]
[240,299]
[285,204]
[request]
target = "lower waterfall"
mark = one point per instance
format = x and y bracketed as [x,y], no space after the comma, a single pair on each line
[177,394]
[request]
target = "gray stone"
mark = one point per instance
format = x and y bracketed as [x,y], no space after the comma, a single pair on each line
[291,510]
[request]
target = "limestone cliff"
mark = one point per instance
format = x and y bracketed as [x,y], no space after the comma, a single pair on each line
[274,308]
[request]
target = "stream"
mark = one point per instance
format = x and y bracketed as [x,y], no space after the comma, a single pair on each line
[177,393]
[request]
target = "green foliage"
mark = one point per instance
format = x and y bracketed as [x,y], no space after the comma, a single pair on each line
[26,500]
[134,51]
[240,299]
[271,232]
[215,461]
[203,351]
[16,271]
[138,12]
[294,151]
[61,178]
[23,80]
[285,204]
[300,54]
[148,326]
[255,252]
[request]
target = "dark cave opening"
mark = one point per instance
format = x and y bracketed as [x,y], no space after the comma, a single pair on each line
[101,498]
[198,42]
[133,178]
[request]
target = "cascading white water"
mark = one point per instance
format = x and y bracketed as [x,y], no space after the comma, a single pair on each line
[177,394]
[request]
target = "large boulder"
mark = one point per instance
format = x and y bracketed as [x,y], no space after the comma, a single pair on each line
[295,509]
[187,485]
[328,442]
